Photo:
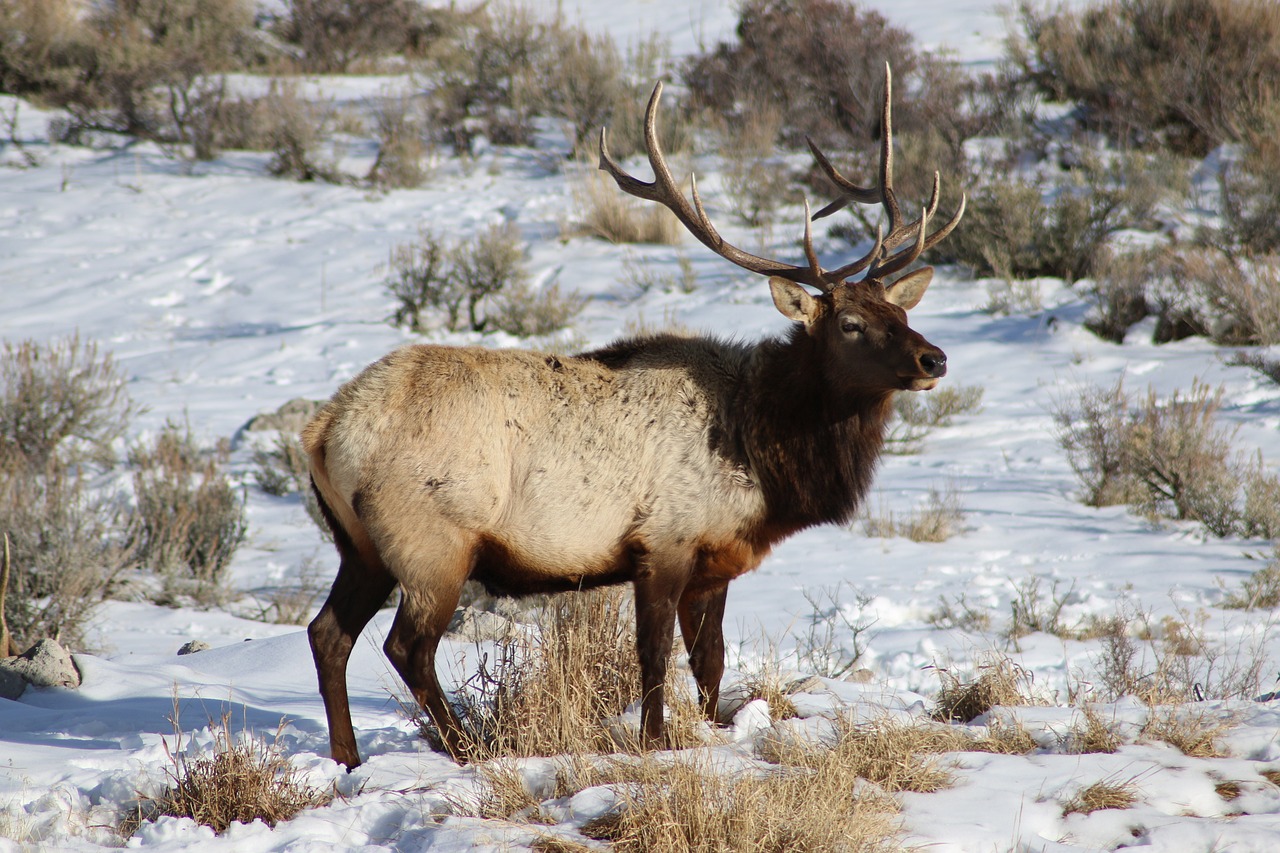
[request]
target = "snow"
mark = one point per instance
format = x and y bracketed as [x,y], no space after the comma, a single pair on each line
[223,292]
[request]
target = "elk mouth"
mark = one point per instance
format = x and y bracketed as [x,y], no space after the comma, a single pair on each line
[920,383]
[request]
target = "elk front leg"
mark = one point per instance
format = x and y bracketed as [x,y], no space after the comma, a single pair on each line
[358,592]
[658,586]
[702,626]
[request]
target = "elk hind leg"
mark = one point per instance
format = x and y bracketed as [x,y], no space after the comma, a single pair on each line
[411,645]
[357,593]
[701,615]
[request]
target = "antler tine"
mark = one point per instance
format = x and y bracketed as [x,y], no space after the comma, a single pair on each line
[664,190]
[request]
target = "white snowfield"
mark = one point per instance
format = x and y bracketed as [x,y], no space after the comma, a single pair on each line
[223,292]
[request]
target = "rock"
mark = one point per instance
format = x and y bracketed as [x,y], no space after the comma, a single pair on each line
[290,417]
[11,684]
[46,664]
[477,626]
[193,646]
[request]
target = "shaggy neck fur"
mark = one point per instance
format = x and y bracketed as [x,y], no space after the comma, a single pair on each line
[813,454]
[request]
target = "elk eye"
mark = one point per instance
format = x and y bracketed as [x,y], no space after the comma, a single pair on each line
[850,326]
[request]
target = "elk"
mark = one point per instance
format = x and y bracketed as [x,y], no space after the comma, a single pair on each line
[671,462]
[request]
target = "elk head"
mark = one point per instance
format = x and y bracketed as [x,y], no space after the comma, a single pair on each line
[860,325]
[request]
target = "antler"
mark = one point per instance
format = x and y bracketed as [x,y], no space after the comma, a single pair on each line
[878,262]
[885,195]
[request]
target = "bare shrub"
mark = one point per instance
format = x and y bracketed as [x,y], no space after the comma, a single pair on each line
[282,469]
[1166,459]
[458,278]
[146,68]
[1146,71]
[1250,198]
[1016,228]
[833,640]
[1174,660]
[522,311]
[402,145]
[1035,612]
[332,35]
[937,521]
[915,415]
[191,518]
[1268,367]
[1238,296]
[1000,682]
[1120,294]
[960,615]
[1092,428]
[492,263]
[1180,458]
[61,400]
[68,544]
[1099,796]
[640,276]
[606,212]
[294,132]
[487,79]
[1261,590]
[756,180]
[240,779]
[795,54]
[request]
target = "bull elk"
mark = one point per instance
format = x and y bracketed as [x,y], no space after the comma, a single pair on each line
[671,462]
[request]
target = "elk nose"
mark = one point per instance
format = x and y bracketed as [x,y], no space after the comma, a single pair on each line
[934,363]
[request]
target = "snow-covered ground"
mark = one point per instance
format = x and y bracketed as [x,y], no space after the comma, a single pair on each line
[223,293]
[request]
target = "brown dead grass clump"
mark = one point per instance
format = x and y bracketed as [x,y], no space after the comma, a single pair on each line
[690,805]
[1090,734]
[1001,682]
[239,780]
[1099,796]
[1194,733]
[555,686]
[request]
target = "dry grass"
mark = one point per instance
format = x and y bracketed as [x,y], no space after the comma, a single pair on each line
[606,212]
[558,685]
[1099,796]
[1228,789]
[240,779]
[938,520]
[1260,590]
[1000,682]
[1090,734]
[689,804]
[1191,731]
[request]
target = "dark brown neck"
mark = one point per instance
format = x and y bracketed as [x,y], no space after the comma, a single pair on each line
[813,455]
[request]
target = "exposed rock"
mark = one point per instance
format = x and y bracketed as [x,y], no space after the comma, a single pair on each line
[11,684]
[193,646]
[290,417]
[475,626]
[46,664]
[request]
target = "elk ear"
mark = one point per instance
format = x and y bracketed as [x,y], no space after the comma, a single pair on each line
[907,291]
[793,301]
